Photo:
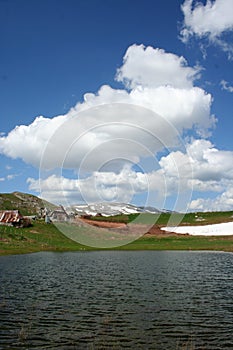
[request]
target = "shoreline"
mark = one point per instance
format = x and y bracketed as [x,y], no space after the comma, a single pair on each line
[42,237]
[119,250]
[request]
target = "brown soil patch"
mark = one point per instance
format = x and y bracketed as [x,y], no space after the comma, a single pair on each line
[104,224]
[34,231]
[155,230]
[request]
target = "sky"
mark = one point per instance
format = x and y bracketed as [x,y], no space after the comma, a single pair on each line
[113,100]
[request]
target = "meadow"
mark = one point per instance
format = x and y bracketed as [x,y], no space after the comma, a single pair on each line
[46,237]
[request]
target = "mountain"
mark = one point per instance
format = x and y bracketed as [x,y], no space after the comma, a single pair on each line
[27,204]
[111,209]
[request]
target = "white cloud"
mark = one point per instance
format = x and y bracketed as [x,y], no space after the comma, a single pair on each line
[80,132]
[11,176]
[212,171]
[186,108]
[2,179]
[28,141]
[210,21]
[113,114]
[225,86]
[226,47]
[98,187]
[223,202]
[149,67]
[109,186]
[109,131]
[209,163]
[202,168]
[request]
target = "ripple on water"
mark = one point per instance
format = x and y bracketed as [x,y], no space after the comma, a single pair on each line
[116,300]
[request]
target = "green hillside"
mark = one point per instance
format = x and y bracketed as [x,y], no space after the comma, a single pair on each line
[27,204]
[200,218]
[43,237]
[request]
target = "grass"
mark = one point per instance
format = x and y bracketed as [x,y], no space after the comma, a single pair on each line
[181,242]
[39,237]
[43,237]
[163,218]
[207,218]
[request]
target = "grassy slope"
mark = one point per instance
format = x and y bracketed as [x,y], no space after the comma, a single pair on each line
[182,243]
[36,238]
[43,237]
[162,219]
[26,203]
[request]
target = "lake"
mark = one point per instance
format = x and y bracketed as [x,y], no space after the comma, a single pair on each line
[117,300]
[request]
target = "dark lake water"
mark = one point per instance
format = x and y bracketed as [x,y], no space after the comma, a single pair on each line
[117,300]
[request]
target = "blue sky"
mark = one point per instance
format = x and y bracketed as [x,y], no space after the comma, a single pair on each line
[55,52]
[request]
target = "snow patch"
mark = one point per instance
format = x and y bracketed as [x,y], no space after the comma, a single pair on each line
[224,229]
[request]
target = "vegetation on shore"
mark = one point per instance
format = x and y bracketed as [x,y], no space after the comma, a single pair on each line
[43,237]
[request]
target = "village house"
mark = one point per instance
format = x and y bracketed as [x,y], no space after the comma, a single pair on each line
[13,218]
[59,214]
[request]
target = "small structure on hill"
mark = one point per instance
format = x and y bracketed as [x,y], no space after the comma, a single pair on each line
[13,218]
[58,214]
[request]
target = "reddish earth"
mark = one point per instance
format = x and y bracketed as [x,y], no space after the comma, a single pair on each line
[155,230]
[104,224]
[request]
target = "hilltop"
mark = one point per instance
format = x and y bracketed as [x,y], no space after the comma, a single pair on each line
[27,204]
[109,209]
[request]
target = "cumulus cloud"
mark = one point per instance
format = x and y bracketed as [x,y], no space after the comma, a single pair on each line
[120,186]
[101,138]
[202,168]
[211,21]
[212,171]
[68,140]
[224,202]
[187,108]
[160,83]
[98,187]
[209,163]
[92,137]
[151,67]
[28,141]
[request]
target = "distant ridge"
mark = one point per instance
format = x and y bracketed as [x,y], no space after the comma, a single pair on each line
[29,204]
[111,209]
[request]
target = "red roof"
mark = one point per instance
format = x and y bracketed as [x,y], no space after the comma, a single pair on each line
[10,216]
